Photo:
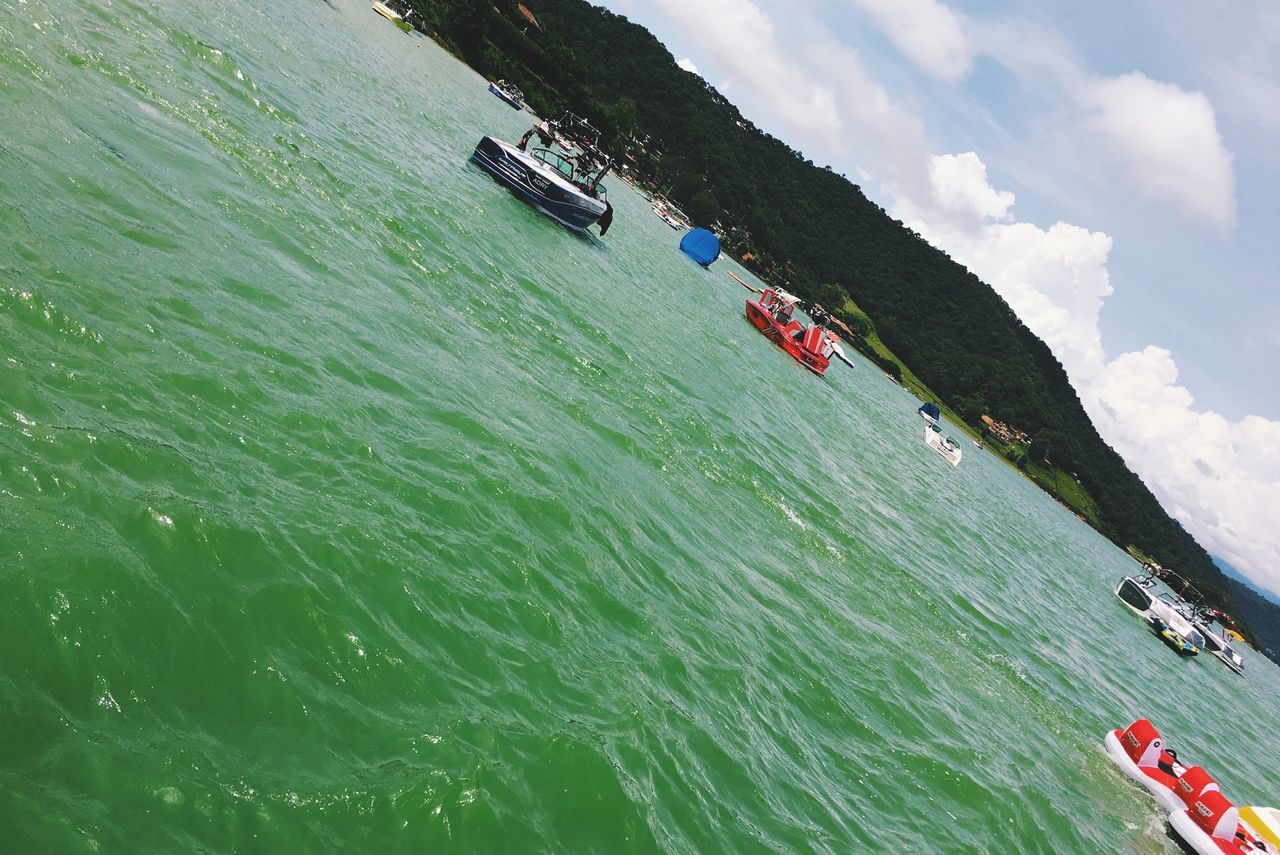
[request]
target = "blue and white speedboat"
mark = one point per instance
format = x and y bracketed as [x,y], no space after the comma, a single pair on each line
[549,181]
[504,90]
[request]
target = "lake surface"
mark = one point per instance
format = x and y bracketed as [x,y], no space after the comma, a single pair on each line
[348,504]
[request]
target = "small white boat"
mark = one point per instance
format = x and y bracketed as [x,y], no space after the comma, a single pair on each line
[1218,646]
[946,446]
[669,217]
[386,11]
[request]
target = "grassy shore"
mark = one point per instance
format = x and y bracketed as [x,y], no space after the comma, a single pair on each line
[1054,481]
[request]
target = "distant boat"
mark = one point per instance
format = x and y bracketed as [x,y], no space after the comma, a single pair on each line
[946,446]
[549,181]
[1219,647]
[386,11]
[930,413]
[664,213]
[702,246]
[508,93]
[772,314]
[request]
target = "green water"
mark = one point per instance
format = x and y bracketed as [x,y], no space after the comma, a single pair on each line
[348,504]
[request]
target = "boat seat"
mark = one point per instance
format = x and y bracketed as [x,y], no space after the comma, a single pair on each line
[1193,783]
[1216,816]
[1143,743]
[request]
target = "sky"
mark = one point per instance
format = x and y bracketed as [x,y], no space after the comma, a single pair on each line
[1109,168]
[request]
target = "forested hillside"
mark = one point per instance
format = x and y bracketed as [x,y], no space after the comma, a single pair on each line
[820,232]
[1260,614]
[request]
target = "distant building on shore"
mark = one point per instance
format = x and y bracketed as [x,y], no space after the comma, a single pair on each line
[1008,434]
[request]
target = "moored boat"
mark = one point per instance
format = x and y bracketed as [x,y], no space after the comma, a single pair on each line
[702,246]
[508,93]
[1168,613]
[773,314]
[549,181]
[386,11]
[1219,646]
[668,216]
[945,446]
[930,413]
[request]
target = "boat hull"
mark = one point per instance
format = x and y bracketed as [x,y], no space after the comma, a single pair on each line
[529,180]
[763,320]
[949,453]
[511,102]
[1236,667]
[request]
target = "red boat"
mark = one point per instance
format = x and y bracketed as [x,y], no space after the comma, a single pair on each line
[772,313]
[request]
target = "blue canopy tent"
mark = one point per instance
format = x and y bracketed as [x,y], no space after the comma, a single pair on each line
[701,245]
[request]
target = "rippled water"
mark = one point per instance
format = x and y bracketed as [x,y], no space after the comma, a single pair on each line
[348,504]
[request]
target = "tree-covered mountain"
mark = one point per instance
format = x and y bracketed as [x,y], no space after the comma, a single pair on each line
[819,231]
[1260,615]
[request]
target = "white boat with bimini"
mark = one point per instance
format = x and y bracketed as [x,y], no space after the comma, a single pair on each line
[1168,610]
[945,446]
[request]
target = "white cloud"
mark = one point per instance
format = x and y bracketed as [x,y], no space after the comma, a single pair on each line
[740,39]
[928,32]
[687,65]
[1220,479]
[960,184]
[1054,279]
[1168,138]
[893,136]
[1164,139]
[822,94]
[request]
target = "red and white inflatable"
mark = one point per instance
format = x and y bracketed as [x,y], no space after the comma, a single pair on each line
[1140,751]
[1205,820]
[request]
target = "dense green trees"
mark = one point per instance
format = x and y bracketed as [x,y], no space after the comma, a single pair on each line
[817,230]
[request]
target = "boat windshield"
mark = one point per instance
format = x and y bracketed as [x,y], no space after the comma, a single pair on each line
[1131,592]
[556,161]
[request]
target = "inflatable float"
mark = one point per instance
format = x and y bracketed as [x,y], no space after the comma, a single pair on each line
[1206,821]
